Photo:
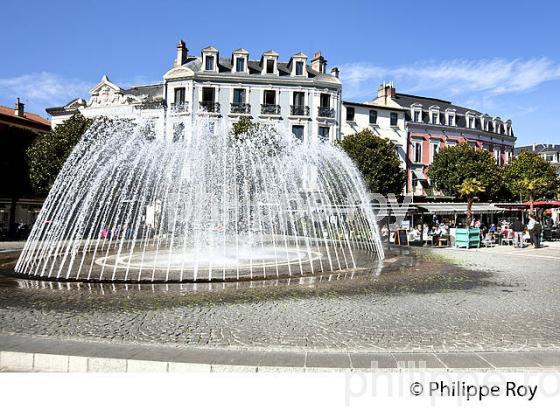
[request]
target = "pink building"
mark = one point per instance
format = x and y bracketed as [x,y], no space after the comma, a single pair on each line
[433,124]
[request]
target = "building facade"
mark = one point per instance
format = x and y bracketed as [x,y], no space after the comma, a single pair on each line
[550,152]
[430,125]
[303,98]
[19,206]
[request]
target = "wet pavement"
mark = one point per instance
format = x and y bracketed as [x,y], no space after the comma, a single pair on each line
[428,301]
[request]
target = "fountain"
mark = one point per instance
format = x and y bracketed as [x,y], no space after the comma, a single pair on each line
[166,200]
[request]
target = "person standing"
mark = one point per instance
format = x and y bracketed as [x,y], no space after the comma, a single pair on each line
[531,227]
[517,227]
[538,231]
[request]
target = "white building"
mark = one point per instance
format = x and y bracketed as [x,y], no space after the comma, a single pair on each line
[381,115]
[302,97]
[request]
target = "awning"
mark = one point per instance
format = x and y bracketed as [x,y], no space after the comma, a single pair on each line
[451,208]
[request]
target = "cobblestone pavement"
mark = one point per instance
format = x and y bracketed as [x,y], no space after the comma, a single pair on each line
[504,301]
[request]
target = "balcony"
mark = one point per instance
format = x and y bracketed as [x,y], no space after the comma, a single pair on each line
[181,107]
[299,110]
[240,108]
[270,109]
[210,106]
[326,112]
[151,105]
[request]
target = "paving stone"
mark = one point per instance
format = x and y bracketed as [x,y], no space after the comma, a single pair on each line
[146,366]
[373,361]
[463,361]
[512,360]
[103,365]
[418,361]
[50,363]
[326,360]
[16,361]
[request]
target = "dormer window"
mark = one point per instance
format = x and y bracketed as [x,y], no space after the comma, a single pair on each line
[299,67]
[450,113]
[240,64]
[434,114]
[210,59]
[209,64]
[416,110]
[470,120]
[270,66]
[435,118]
[240,61]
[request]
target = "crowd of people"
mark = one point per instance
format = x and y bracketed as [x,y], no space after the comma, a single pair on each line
[506,232]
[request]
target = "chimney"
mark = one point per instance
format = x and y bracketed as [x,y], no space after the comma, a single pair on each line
[318,63]
[335,71]
[182,53]
[19,111]
[386,91]
[534,146]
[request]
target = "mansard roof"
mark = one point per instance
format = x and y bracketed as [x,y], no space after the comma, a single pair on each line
[407,100]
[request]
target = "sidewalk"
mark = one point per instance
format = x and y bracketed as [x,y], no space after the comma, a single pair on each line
[38,354]
[549,250]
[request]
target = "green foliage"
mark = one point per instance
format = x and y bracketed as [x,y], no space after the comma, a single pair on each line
[243,127]
[453,165]
[377,160]
[47,154]
[532,177]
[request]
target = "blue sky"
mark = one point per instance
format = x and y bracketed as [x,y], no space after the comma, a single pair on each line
[498,57]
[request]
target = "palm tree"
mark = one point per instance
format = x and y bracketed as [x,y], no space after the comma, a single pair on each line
[532,186]
[468,190]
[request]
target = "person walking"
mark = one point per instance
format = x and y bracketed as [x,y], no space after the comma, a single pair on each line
[518,228]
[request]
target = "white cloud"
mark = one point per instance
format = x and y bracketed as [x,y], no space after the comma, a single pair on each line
[42,90]
[455,77]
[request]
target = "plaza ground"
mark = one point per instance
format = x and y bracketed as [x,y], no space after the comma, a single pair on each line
[444,308]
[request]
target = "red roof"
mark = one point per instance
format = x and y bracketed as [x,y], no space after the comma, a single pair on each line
[26,115]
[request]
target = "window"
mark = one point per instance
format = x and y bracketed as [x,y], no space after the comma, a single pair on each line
[435,118]
[417,116]
[325,101]
[209,63]
[270,97]
[434,149]
[324,134]
[299,67]
[208,94]
[299,99]
[471,122]
[451,120]
[394,119]
[372,117]
[239,96]
[179,95]
[349,113]
[270,66]
[297,131]
[240,64]
[417,151]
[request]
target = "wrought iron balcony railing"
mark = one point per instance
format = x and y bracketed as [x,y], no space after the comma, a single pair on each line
[151,105]
[179,107]
[210,106]
[240,108]
[326,112]
[299,110]
[271,109]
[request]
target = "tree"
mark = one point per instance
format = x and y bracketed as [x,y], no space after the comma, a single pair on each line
[49,152]
[468,189]
[377,160]
[531,177]
[465,171]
